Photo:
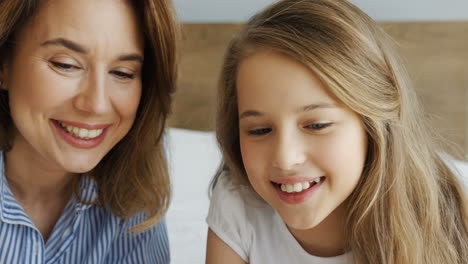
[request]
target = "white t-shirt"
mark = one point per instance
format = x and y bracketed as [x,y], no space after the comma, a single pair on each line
[255,231]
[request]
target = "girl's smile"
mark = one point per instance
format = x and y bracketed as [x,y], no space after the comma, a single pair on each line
[295,190]
[302,150]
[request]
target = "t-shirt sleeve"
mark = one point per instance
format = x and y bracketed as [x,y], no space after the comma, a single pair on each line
[227,217]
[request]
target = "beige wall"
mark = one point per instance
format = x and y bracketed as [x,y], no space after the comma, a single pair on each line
[436,55]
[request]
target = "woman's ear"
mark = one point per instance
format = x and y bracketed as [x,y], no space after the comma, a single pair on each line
[3,74]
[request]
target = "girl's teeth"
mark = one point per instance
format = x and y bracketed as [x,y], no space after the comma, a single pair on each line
[283,187]
[298,187]
[82,132]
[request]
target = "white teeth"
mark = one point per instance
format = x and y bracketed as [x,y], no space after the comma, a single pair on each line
[298,187]
[82,132]
[92,133]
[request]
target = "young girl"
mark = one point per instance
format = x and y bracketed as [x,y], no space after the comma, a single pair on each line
[327,155]
[85,88]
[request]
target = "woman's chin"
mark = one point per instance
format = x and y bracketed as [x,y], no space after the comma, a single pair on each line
[79,165]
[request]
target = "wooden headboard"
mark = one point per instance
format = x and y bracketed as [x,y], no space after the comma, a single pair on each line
[436,55]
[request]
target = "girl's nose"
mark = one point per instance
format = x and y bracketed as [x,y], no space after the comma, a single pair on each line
[288,151]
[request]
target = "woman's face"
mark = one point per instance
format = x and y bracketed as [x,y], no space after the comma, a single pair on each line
[303,152]
[74,81]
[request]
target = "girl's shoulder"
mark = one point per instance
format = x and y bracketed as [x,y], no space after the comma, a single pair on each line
[237,215]
[254,230]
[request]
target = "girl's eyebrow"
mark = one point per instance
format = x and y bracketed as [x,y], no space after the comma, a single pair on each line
[250,113]
[311,107]
[315,106]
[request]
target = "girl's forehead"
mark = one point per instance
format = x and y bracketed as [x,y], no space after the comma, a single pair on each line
[272,78]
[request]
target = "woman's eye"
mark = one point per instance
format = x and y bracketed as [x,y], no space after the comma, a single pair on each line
[259,132]
[318,126]
[123,75]
[64,66]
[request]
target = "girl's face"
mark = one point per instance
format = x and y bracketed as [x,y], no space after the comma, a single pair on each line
[74,82]
[303,152]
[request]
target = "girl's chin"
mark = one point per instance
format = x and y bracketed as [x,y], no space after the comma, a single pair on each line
[299,222]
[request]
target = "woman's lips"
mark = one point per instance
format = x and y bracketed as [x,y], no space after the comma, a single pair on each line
[82,143]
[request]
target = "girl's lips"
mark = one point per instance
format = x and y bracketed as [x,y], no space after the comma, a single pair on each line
[293,180]
[78,142]
[298,197]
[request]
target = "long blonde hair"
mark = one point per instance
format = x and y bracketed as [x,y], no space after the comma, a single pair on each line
[408,207]
[133,176]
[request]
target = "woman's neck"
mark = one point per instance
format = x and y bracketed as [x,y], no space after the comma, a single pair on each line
[42,190]
[326,239]
[31,178]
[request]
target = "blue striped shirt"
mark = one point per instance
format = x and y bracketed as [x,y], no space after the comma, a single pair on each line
[83,234]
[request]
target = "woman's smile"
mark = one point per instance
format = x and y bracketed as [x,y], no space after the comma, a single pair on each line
[80,135]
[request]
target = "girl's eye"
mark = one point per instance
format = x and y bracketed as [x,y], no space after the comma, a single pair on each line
[64,66]
[259,132]
[123,75]
[318,126]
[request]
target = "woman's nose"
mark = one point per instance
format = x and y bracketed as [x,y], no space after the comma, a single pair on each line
[94,96]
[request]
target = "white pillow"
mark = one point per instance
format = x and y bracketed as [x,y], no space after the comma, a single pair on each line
[193,158]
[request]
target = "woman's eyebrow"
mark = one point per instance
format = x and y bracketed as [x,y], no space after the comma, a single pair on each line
[131,57]
[66,43]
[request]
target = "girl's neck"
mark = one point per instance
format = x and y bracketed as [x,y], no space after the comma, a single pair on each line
[326,239]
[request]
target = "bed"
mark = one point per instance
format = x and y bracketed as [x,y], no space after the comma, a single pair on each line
[436,55]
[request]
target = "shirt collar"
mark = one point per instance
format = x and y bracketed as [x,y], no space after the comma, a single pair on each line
[88,192]
[10,209]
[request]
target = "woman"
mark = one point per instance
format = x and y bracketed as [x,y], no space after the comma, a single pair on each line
[85,90]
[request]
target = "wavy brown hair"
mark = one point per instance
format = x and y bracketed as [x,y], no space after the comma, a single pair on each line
[409,207]
[133,176]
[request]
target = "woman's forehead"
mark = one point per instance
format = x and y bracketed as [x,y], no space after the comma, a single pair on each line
[84,22]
